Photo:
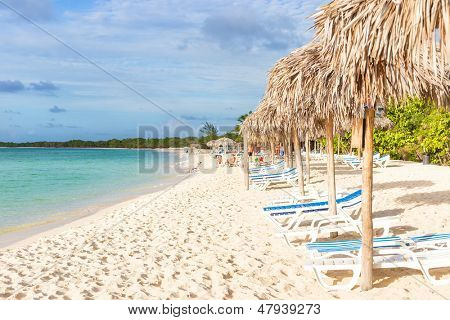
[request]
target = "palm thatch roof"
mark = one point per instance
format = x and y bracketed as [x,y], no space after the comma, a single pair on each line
[256,128]
[351,63]
[387,48]
[298,85]
[224,141]
[367,28]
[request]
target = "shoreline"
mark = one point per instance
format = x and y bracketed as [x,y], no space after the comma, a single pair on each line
[98,148]
[59,222]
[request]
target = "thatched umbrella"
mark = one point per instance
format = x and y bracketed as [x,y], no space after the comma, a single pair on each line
[367,39]
[224,142]
[252,131]
[210,144]
[387,49]
[298,85]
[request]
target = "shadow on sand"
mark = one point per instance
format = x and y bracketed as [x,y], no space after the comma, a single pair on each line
[429,198]
[408,184]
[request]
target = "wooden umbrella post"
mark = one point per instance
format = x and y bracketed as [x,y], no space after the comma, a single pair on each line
[298,161]
[286,153]
[307,157]
[330,168]
[338,144]
[245,161]
[272,151]
[291,164]
[367,184]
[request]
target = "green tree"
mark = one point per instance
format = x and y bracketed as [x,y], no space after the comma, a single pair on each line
[420,127]
[209,131]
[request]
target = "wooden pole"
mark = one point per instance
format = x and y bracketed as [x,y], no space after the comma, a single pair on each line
[298,161]
[285,148]
[330,167]
[307,157]
[272,151]
[289,143]
[245,161]
[338,144]
[367,184]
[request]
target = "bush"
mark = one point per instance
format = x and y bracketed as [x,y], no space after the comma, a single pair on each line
[419,127]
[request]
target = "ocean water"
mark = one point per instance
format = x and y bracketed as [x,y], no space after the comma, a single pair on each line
[38,184]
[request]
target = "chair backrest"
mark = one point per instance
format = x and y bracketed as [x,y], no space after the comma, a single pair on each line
[279,165]
[286,172]
[350,199]
[353,245]
[431,237]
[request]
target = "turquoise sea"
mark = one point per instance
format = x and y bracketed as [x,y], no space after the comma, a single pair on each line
[39,184]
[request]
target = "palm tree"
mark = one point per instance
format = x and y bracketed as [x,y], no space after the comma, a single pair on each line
[209,131]
[235,133]
[243,117]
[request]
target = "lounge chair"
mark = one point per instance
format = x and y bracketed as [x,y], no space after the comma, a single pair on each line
[263,181]
[288,217]
[292,196]
[382,162]
[422,254]
[355,164]
[340,223]
[267,169]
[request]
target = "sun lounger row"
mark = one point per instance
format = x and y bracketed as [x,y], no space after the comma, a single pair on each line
[421,253]
[267,169]
[263,181]
[302,221]
[357,163]
[307,221]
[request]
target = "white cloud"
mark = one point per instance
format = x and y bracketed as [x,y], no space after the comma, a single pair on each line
[191,57]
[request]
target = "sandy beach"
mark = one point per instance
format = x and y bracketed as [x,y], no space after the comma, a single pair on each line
[205,238]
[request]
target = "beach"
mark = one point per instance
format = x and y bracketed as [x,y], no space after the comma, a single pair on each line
[205,238]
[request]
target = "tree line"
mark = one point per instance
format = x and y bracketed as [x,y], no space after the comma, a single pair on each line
[208,131]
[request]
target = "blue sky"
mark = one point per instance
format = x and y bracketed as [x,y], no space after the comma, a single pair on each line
[198,60]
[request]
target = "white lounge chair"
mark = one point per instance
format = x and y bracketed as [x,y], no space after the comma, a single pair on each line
[289,217]
[263,181]
[389,252]
[340,223]
[382,162]
[355,164]
[292,196]
[267,169]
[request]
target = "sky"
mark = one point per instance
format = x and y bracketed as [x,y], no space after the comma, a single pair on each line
[97,70]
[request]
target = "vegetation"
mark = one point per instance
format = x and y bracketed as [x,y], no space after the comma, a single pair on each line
[235,133]
[209,131]
[114,143]
[419,128]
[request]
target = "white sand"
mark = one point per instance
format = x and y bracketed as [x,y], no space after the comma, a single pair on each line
[205,238]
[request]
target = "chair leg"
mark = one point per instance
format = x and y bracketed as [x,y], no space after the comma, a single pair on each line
[347,287]
[431,279]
